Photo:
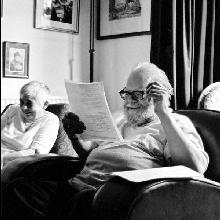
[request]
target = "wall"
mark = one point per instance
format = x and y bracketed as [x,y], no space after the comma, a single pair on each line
[114,59]
[55,56]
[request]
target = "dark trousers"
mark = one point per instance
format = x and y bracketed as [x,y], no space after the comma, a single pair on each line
[28,199]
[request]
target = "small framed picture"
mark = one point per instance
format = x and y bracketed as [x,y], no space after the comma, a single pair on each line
[123,18]
[57,15]
[15,60]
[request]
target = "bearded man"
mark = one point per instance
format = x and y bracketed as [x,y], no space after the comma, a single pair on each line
[153,136]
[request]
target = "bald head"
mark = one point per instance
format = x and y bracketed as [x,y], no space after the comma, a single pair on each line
[145,73]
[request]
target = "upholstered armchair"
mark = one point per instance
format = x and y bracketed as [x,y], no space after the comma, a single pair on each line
[120,199]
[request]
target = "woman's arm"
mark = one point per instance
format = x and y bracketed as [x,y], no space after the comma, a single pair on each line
[5,115]
[8,156]
[46,136]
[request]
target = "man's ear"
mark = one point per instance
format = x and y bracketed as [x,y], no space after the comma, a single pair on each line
[46,103]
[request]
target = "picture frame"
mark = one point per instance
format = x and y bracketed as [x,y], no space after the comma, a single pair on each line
[123,18]
[15,60]
[57,15]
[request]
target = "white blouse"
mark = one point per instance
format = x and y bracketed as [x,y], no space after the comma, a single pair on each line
[38,136]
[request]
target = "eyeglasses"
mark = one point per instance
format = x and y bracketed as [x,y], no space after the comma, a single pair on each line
[135,95]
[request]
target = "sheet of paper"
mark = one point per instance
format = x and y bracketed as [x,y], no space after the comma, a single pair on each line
[88,101]
[158,173]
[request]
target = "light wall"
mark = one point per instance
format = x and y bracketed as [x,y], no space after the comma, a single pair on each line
[114,61]
[55,56]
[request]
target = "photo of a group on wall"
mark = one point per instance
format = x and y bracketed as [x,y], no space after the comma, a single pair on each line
[57,15]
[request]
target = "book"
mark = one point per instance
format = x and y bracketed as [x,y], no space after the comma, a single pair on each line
[172,172]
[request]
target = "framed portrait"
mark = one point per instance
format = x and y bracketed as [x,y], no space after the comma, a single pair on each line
[15,60]
[123,18]
[57,15]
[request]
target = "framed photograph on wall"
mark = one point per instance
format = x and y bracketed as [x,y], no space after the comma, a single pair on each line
[57,15]
[15,60]
[123,18]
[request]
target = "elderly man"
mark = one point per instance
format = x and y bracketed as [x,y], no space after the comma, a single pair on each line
[153,136]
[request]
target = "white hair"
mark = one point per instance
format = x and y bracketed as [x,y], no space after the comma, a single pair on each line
[37,90]
[146,68]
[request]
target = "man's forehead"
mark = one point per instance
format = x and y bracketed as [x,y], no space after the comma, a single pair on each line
[139,79]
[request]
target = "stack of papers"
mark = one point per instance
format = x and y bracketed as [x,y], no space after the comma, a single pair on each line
[88,101]
[158,173]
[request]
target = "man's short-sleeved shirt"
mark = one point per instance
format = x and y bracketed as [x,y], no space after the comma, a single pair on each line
[143,147]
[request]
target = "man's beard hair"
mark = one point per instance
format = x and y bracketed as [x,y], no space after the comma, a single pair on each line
[139,116]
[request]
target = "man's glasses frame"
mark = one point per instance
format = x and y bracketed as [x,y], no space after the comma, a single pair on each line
[136,95]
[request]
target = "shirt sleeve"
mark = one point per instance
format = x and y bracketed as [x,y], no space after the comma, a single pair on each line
[46,135]
[7,114]
[190,131]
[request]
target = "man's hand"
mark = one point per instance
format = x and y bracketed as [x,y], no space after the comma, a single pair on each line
[72,125]
[160,96]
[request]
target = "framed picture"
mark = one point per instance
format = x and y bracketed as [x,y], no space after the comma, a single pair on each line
[57,15]
[123,18]
[15,60]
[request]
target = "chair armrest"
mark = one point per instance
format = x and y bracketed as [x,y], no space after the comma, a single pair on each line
[44,166]
[158,199]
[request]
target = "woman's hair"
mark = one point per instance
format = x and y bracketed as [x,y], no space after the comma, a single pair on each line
[37,90]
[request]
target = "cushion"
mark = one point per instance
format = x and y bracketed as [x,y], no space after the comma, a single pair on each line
[63,144]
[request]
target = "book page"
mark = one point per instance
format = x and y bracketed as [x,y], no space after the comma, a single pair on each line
[158,173]
[88,101]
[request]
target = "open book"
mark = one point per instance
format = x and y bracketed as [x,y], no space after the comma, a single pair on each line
[158,173]
[88,101]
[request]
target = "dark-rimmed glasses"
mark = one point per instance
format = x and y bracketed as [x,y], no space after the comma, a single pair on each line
[135,95]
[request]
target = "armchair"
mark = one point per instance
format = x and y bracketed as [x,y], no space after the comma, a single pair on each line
[159,199]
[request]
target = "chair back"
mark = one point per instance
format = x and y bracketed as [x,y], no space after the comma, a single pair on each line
[63,144]
[207,123]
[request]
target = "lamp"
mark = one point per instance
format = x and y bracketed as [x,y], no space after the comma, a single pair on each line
[91,46]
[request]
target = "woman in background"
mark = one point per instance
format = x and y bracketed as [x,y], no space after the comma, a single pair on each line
[27,129]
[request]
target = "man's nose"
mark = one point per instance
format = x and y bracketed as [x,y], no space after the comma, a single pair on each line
[129,99]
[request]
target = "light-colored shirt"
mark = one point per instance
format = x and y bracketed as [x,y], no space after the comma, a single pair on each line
[143,147]
[38,136]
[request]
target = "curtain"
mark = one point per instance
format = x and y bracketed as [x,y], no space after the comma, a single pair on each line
[184,44]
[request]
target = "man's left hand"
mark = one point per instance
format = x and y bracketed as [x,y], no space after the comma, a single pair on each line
[160,95]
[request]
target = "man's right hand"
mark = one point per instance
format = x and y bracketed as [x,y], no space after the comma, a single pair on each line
[72,124]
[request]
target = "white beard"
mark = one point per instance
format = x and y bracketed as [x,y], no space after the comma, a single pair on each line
[140,115]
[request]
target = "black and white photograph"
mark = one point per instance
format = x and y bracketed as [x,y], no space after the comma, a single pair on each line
[110,110]
[16,59]
[119,9]
[57,15]
[59,10]
[123,18]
